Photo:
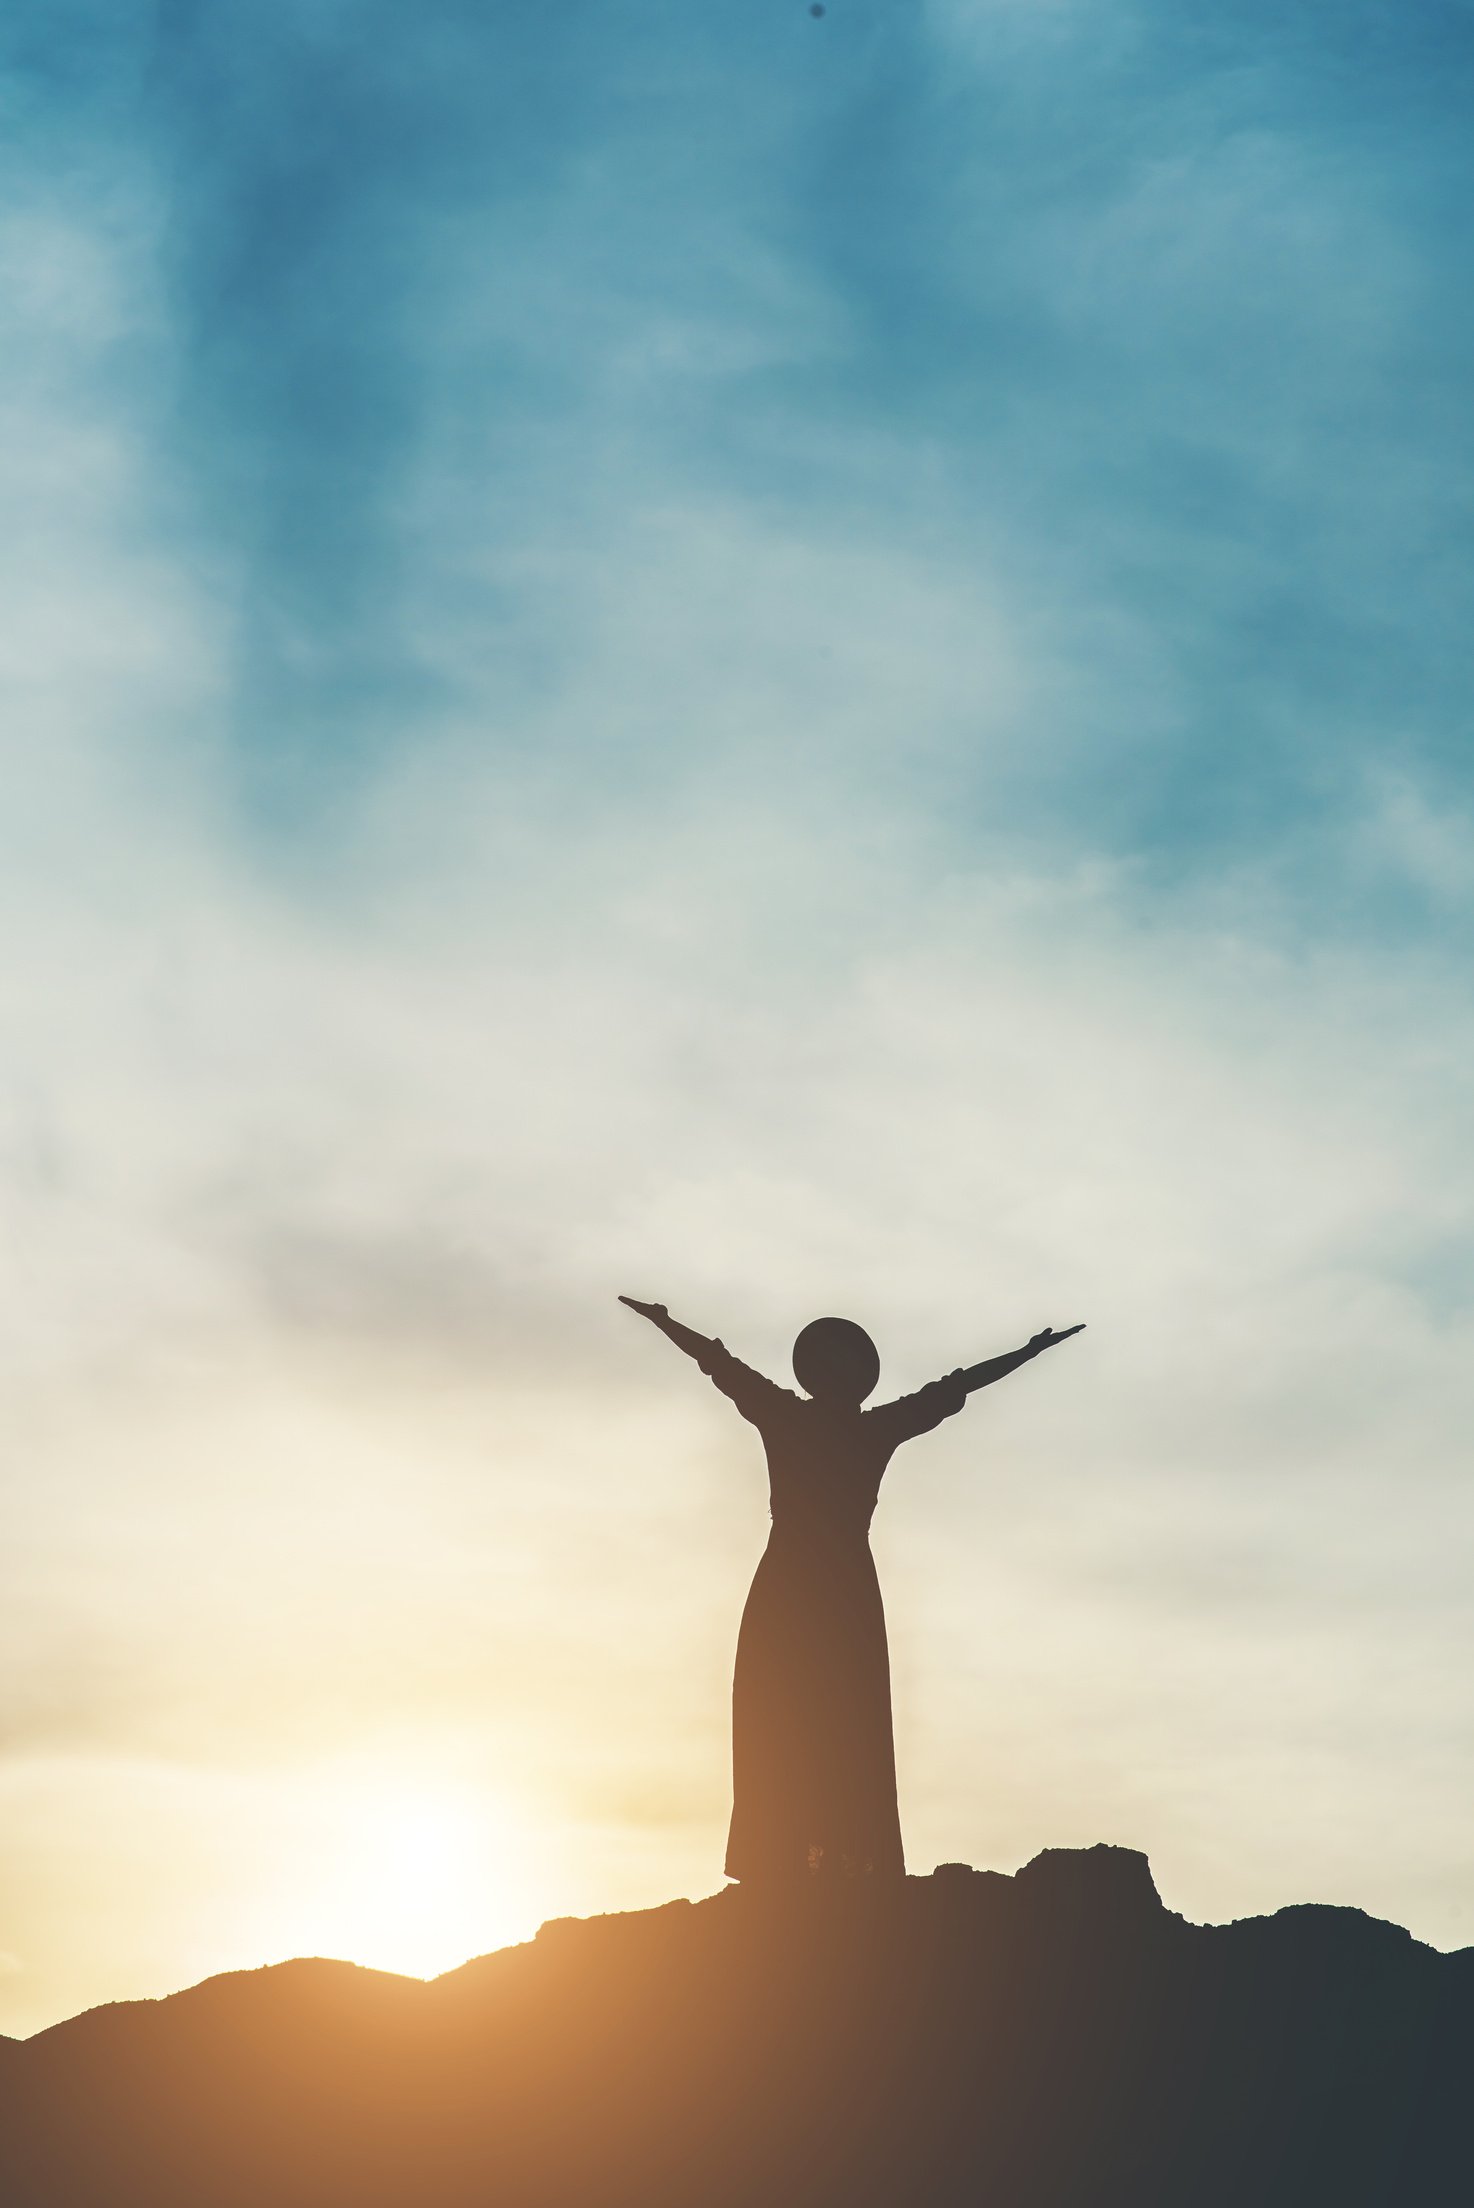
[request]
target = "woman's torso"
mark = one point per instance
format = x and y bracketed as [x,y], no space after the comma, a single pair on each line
[824,1472]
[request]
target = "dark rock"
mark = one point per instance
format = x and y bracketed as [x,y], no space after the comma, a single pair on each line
[1054,2040]
[1096,1882]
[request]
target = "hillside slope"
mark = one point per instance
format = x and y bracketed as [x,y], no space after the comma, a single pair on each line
[1054,2040]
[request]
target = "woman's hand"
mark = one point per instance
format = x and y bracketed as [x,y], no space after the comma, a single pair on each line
[1048,1338]
[656,1311]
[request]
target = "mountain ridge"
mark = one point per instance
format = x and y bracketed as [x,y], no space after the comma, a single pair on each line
[1054,2039]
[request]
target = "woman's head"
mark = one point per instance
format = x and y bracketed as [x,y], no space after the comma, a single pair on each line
[836,1361]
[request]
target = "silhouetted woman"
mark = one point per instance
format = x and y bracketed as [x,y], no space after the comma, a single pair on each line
[813,1760]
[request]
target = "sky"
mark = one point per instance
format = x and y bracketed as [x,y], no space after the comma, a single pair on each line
[786,664]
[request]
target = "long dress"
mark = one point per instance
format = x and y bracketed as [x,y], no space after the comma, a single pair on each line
[813,1756]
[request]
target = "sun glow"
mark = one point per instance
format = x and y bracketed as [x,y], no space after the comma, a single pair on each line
[407,1879]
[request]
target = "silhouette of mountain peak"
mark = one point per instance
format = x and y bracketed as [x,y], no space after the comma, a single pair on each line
[1057,2039]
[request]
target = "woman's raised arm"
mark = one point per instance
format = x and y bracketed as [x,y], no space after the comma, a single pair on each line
[699,1346]
[994,1368]
[757,1398]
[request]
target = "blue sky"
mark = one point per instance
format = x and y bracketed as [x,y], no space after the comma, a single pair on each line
[781,663]
[1166,320]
